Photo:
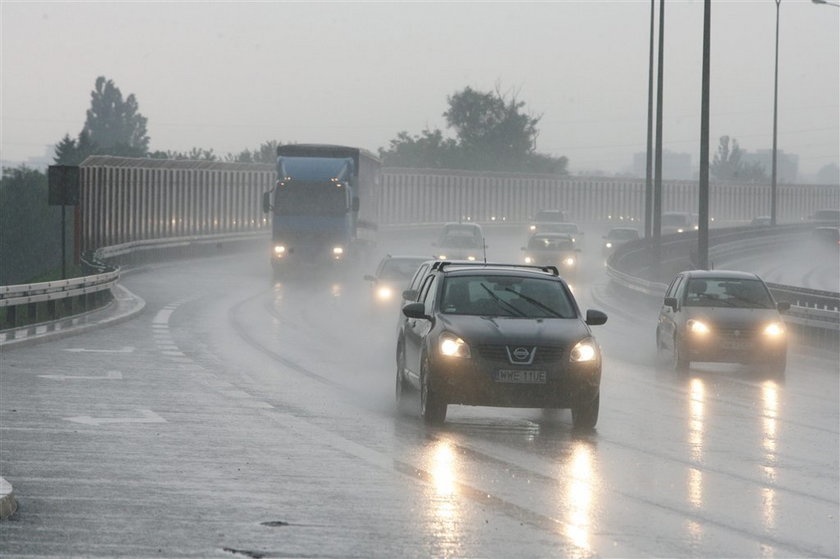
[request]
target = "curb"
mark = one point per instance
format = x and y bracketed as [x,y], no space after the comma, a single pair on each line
[125,305]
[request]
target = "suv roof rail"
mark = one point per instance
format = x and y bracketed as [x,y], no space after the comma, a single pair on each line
[441,264]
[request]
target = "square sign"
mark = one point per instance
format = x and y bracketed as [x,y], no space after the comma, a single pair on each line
[63,181]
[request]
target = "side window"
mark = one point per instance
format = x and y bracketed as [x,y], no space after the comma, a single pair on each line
[680,292]
[424,289]
[418,277]
[672,289]
[430,295]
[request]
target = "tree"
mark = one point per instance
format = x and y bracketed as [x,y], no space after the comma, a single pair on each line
[492,134]
[266,153]
[114,125]
[728,166]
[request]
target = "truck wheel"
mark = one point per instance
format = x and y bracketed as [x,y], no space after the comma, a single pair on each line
[585,414]
[432,406]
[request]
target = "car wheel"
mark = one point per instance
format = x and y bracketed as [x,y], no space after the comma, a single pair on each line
[432,406]
[402,387]
[585,414]
[680,362]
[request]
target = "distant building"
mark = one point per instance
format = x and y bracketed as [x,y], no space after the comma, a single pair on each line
[675,166]
[787,165]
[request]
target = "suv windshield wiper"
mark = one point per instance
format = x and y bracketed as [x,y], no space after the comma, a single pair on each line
[536,303]
[511,308]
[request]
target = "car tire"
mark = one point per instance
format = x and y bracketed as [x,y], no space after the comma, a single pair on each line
[432,406]
[402,387]
[680,362]
[585,414]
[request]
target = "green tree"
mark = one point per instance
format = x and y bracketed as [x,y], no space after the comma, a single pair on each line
[492,133]
[266,153]
[115,125]
[30,229]
[727,164]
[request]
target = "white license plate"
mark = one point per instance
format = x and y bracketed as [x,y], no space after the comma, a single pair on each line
[516,376]
[736,344]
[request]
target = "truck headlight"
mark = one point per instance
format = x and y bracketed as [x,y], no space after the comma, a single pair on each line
[338,251]
[533,228]
[453,346]
[774,330]
[279,250]
[697,327]
[609,245]
[569,261]
[584,350]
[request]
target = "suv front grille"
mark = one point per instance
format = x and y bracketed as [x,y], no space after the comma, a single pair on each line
[499,353]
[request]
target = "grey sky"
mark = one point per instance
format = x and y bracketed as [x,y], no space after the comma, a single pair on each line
[230,76]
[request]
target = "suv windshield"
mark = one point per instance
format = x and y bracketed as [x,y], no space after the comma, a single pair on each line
[506,296]
[727,292]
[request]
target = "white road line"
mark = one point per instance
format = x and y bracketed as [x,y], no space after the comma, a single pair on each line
[110,375]
[126,349]
[148,417]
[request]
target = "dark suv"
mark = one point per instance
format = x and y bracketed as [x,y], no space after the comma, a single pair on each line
[498,335]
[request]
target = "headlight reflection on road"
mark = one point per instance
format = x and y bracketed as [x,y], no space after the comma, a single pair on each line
[443,498]
[696,433]
[579,496]
[770,405]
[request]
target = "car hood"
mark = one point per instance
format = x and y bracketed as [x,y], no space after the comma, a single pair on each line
[516,331]
[740,318]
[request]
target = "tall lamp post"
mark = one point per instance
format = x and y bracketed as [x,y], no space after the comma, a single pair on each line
[775,123]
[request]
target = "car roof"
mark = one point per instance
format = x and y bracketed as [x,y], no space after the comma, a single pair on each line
[720,274]
[614,229]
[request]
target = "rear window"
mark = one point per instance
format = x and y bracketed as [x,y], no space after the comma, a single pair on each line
[506,296]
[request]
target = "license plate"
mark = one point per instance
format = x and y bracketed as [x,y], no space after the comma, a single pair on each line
[736,344]
[516,376]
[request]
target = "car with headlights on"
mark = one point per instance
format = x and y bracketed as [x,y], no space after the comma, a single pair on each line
[460,241]
[545,218]
[616,237]
[498,335]
[721,316]
[553,249]
[392,276]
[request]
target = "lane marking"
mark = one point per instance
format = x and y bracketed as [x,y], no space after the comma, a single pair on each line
[162,316]
[110,375]
[148,417]
[125,349]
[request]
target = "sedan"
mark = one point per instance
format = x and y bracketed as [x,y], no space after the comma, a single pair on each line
[721,316]
[499,335]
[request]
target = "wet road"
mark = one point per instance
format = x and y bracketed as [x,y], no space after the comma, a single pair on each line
[236,418]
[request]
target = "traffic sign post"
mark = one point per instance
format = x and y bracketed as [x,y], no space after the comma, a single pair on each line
[63,183]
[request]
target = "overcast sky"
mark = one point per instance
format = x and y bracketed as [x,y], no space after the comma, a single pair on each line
[232,75]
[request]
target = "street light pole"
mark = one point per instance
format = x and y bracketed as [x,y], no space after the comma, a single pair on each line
[649,158]
[775,124]
[703,232]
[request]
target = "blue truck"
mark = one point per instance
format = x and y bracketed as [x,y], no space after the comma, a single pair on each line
[323,206]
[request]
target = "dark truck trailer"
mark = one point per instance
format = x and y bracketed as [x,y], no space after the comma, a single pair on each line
[323,206]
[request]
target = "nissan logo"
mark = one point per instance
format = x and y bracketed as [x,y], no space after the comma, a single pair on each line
[521,353]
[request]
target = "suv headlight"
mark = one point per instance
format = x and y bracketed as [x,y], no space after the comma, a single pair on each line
[697,327]
[452,346]
[774,330]
[584,350]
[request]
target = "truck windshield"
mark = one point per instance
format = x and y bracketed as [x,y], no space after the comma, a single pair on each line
[311,198]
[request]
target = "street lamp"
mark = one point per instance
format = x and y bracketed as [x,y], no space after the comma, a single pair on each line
[775,123]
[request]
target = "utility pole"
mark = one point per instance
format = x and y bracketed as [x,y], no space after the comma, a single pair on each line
[703,232]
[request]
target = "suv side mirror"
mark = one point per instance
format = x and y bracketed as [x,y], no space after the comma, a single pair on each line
[783,306]
[415,310]
[595,318]
[671,302]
